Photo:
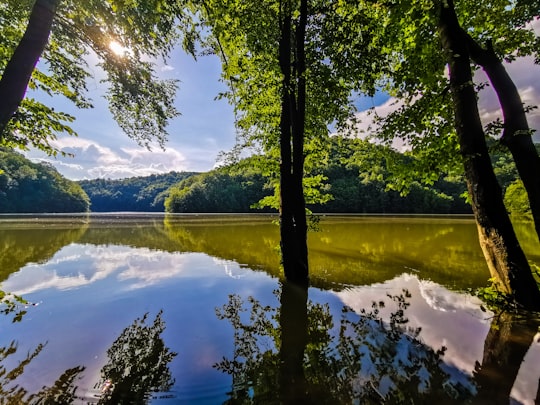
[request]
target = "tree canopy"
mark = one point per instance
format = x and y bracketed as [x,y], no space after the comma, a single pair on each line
[141,103]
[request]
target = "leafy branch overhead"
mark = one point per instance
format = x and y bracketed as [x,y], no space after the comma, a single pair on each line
[140,102]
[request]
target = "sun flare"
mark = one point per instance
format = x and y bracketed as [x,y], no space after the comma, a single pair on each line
[117,48]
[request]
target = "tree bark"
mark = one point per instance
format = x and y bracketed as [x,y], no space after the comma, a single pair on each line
[293,225]
[505,258]
[517,135]
[19,68]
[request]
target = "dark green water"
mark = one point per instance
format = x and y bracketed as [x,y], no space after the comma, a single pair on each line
[128,308]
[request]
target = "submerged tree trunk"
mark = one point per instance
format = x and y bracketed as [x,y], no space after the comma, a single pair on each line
[19,68]
[505,258]
[293,226]
[517,135]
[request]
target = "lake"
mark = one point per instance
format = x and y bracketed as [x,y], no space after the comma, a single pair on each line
[191,309]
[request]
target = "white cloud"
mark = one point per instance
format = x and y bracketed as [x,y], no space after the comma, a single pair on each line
[92,160]
[167,68]
[447,318]
[523,72]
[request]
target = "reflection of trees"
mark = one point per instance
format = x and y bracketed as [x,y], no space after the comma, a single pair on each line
[358,250]
[63,391]
[34,242]
[138,364]
[507,342]
[11,393]
[292,351]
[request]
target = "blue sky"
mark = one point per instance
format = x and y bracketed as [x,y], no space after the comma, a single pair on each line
[206,126]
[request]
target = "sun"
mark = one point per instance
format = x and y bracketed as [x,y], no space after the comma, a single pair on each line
[117,48]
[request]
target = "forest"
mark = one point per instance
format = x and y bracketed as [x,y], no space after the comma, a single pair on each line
[131,194]
[241,187]
[36,187]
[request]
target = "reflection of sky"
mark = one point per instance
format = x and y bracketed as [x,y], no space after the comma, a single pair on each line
[81,265]
[88,294]
[449,319]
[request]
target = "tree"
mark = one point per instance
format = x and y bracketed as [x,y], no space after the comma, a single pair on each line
[506,260]
[290,79]
[63,33]
[299,353]
[138,364]
[424,120]
[516,134]
[36,187]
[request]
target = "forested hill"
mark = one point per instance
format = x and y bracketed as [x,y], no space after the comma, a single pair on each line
[131,194]
[27,187]
[237,189]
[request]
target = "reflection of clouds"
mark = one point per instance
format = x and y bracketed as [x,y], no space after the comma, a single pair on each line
[152,267]
[76,266]
[528,375]
[447,318]
[230,268]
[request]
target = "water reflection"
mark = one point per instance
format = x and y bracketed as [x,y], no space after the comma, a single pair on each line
[287,347]
[137,369]
[507,343]
[34,242]
[348,250]
[138,364]
[290,351]
[300,352]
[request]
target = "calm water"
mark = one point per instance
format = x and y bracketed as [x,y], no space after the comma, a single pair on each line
[191,309]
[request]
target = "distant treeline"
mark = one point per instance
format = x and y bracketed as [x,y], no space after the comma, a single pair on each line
[36,187]
[348,186]
[131,194]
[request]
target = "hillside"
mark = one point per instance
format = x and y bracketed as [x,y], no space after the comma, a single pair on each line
[131,194]
[28,187]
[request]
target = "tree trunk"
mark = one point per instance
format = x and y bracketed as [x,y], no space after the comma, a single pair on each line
[19,68]
[517,135]
[293,225]
[505,258]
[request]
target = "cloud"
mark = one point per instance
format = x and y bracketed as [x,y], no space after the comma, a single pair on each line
[523,72]
[167,68]
[92,160]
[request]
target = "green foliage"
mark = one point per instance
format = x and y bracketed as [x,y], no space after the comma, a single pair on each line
[36,187]
[354,178]
[516,199]
[417,78]
[327,355]
[140,102]
[497,300]
[138,364]
[222,190]
[132,194]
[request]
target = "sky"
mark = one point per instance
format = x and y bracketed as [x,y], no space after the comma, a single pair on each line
[206,125]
